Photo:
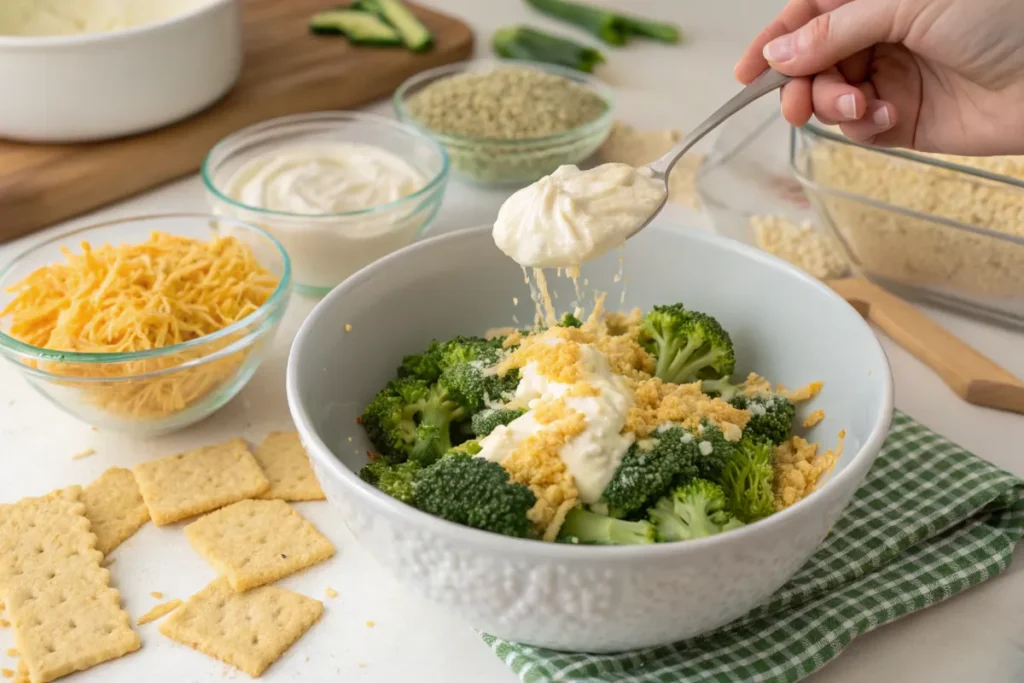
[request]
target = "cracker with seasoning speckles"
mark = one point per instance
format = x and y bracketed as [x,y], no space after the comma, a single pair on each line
[65,614]
[255,542]
[249,631]
[158,612]
[286,465]
[114,507]
[189,484]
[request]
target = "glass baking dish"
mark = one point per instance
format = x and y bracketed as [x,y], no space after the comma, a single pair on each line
[936,228]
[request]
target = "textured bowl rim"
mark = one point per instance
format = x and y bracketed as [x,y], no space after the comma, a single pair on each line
[385,504]
[206,173]
[590,82]
[77,39]
[10,346]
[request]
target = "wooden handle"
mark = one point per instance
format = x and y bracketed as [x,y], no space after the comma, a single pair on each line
[976,378]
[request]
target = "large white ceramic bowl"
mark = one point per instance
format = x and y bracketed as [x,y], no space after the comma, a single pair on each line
[785,325]
[96,86]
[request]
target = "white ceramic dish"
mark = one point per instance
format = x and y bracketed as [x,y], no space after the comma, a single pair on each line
[98,86]
[785,324]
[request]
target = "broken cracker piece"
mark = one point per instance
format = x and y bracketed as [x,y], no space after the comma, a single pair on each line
[158,611]
[198,481]
[249,631]
[255,542]
[65,614]
[814,418]
[286,465]
[114,507]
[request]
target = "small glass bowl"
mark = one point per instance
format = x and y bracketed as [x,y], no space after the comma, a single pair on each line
[158,390]
[326,248]
[497,163]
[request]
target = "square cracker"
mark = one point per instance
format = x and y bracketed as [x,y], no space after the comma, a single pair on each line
[188,484]
[255,542]
[66,616]
[114,507]
[249,630]
[286,465]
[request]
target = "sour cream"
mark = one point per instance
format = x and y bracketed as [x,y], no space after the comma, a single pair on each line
[593,455]
[572,216]
[322,179]
[314,198]
[70,17]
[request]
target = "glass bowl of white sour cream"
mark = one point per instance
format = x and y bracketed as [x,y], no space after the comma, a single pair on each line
[338,189]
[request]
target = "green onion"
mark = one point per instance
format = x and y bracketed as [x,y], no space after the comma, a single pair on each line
[611,27]
[521,42]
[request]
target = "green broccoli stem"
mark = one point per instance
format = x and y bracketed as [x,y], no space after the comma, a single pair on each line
[583,526]
[531,45]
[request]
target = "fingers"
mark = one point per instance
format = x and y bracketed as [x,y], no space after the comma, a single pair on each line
[796,101]
[794,15]
[878,120]
[831,37]
[834,100]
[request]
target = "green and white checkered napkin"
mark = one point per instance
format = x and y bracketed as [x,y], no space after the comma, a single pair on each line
[931,520]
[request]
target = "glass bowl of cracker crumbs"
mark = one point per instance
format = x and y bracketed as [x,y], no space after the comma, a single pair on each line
[941,229]
[507,123]
[144,325]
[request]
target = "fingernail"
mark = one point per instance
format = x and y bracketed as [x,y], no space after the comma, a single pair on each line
[782,49]
[880,117]
[847,106]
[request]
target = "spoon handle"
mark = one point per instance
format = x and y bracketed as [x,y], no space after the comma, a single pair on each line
[762,85]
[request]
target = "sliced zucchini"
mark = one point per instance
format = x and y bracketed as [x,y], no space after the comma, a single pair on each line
[361,28]
[415,35]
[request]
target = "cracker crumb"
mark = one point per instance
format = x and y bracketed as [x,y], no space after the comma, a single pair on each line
[83,454]
[7,673]
[799,469]
[4,623]
[348,328]
[11,652]
[804,393]
[161,610]
[370,623]
[331,593]
[814,418]
[157,594]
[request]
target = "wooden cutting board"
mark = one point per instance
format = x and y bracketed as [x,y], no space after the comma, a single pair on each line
[287,71]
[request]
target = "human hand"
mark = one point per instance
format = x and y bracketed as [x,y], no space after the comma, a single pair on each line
[931,75]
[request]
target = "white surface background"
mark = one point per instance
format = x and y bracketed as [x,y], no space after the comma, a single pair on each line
[977,636]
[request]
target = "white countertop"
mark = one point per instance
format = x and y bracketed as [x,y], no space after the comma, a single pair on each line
[977,636]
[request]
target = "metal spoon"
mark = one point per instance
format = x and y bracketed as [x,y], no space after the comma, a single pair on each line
[762,85]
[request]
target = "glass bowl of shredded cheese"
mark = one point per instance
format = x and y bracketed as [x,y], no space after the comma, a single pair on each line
[144,325]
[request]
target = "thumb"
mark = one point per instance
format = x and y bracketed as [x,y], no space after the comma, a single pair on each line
[829,38]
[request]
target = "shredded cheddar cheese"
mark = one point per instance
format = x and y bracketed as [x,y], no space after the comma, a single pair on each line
[139,297]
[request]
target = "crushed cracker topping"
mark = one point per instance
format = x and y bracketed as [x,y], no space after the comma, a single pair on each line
[658,403]
[799,469]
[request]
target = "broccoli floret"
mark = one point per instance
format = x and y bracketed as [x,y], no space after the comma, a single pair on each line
[583,526]
[474,492]
[472,386]
[643,475]
[486,420]
[569,320]
[411,419]
[715,451]
[395,480]
[688,345]
[771,414]
[747,480]
[424,366]
[690,511]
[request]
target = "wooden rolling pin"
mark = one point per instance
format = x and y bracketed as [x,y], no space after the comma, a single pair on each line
[976,378]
